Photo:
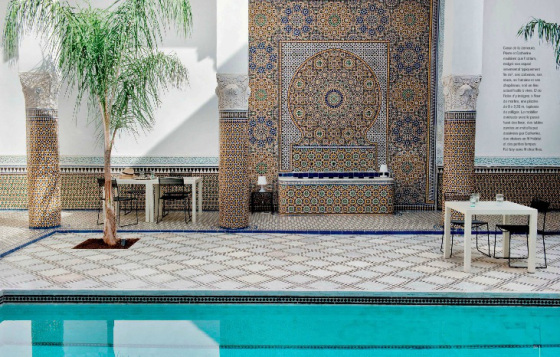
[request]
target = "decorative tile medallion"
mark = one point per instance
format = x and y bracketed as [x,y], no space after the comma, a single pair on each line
[335,98]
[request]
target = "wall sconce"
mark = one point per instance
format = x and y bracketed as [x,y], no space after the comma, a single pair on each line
[384,170]
[262,182]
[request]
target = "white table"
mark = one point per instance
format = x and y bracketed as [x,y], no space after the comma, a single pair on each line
[504,209]
[194,182]
[151,186]
[153,193]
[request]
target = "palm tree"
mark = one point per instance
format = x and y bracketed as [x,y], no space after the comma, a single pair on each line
[109,56]
[548,31]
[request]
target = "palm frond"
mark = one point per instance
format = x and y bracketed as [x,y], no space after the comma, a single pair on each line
[46,17]
[140,84]
[142,22]
[546,31]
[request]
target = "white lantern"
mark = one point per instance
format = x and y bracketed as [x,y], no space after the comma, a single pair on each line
[384,170]
[262,182]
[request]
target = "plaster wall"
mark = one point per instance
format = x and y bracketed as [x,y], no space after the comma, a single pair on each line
[463,37]
[187,121]
[502,20]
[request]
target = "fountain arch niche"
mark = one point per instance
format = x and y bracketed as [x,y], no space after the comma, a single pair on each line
[333,102]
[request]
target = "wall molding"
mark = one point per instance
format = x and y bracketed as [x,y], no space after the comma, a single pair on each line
[117,161]
[511,170]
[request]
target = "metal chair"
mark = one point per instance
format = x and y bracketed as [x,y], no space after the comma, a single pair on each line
[117,198]
[542,207]
[173,189]
[457,223]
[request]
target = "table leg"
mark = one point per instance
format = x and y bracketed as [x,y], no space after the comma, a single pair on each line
[468,234]
[149,209]
[505,238]
[157,202]
[531,261]
[193,197]
[447,233]
[200,195]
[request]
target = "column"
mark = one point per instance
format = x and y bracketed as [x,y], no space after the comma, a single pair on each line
[461,93]
[43,172]
[233,97]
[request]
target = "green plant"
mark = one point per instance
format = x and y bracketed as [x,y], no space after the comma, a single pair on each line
[110,58]
[547,31]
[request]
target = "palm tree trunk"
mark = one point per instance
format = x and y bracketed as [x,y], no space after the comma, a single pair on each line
[110,222]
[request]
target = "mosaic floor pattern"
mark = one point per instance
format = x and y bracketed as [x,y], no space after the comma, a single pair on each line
[260,261]
[194,260]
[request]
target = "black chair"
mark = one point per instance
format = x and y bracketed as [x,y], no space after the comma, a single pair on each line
[173,189]
[118,198]
[542,207]
[457,223]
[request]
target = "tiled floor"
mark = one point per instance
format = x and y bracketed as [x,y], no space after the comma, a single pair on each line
[14,231]
[262,261]
[266,261]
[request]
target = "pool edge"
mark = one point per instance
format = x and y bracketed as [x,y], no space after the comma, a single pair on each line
[17,296]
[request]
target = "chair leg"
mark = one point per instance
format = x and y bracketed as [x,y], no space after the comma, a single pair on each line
[99,212]
[118,214]
[157,210]
[185,209]
[442,238]
[495,239]
[477,248]
[510,257]
[544,251]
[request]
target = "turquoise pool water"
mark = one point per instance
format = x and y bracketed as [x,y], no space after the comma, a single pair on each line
[277,330]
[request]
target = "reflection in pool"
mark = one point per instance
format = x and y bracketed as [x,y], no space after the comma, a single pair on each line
[276,330]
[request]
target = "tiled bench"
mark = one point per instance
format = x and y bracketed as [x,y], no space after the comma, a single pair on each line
[339,193]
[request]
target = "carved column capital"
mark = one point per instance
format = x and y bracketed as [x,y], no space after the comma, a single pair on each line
[40,89]
[233,91]
[461,92]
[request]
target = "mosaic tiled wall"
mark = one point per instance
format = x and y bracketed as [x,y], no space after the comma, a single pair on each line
[321,198]
[80,190]
[233,185]
[517,185]
[340,76]
[43,173]
[459,145]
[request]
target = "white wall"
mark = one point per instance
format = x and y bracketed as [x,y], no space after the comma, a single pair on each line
[502,20]
[187,122]
[463,37]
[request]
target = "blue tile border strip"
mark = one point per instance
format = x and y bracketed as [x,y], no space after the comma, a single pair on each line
[8,252]
[244,230]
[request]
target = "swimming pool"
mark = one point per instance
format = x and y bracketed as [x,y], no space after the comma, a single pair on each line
[277,330]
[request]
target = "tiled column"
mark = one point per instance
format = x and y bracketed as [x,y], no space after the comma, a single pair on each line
[461,93]
[43,172]
[233,95]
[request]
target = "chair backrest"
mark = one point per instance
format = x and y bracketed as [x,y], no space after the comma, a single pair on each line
[171,181]
[540,205]
[101,182]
